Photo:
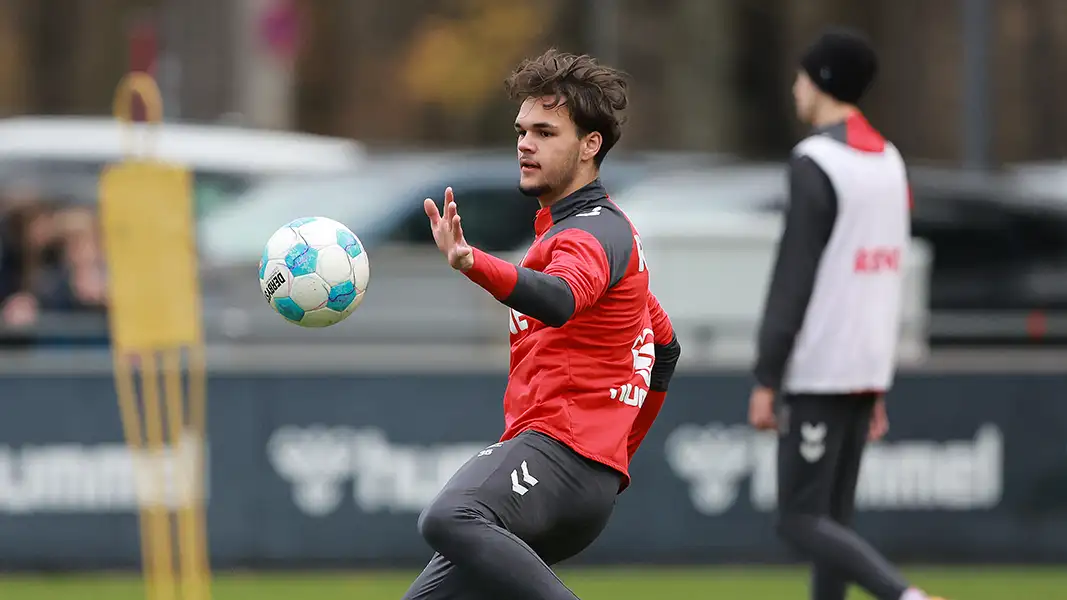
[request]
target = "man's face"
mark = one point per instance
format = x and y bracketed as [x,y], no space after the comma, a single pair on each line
[549,147]
[805,97]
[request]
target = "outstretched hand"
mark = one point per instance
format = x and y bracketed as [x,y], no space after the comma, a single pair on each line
[448,232]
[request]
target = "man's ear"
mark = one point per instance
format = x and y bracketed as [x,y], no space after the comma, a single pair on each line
[591,144]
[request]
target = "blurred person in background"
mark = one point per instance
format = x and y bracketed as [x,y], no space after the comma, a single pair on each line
[76,280]
[827,341]
[26,233]
[50,261]
[592,353]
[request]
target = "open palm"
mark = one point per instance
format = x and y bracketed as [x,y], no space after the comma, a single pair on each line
[448,232]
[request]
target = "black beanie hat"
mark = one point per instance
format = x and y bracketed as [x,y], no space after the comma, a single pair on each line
[842,63]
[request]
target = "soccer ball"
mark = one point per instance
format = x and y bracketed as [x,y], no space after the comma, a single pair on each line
[314,272]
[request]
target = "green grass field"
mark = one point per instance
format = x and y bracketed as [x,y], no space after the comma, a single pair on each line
[757,583]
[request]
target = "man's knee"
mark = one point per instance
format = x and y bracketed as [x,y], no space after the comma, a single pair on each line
[445,518]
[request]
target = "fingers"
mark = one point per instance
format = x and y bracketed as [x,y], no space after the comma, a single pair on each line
[431,211]
[449,212]
[457,230]
[451,209]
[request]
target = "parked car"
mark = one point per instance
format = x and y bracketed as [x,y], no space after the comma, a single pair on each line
[999,251]
[743,187]
[413,295]
[382,201]
[61,157]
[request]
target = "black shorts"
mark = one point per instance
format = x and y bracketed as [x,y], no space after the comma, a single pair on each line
[553,499]
[820,449]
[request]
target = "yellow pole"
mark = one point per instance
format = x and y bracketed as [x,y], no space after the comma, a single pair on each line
[146,210]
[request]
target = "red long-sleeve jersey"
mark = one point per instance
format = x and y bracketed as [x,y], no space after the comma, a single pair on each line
[592,351]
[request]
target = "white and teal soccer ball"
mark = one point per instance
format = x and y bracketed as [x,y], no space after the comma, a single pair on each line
[314,272]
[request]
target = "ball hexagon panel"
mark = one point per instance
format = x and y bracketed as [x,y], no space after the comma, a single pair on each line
[309,292]
[301,259]
[321,318]
[333,265]
[289,309]
[361,272]
[348,241]
[280,242]
[341,296]
[319,232]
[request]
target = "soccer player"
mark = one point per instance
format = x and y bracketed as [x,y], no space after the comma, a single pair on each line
[828,338]
[592,353]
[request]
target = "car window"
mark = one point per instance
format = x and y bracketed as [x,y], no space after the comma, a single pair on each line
[212,191]
[498,219]
[78,181]
[967,232]
[495,219]
[364,204]
[718,191]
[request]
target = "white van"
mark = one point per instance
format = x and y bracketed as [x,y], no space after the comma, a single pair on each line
[61,156]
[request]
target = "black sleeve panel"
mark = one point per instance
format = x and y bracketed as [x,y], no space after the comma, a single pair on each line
[663,369]
[809,221]
[544,297]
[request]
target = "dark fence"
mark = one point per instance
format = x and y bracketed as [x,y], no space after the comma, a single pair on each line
[333,470]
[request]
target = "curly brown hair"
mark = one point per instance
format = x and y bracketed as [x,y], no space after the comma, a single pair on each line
[594,94]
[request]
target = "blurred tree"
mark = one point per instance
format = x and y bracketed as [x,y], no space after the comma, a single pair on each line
[1047,28]
[458,62]
[708,74]
[318,65]
[200,36]
[13,64]
[763,76]
[1012,76]
[699,63]
[375,105]
[75,53]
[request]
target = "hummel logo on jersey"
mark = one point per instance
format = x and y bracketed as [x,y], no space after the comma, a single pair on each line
[812,438]
[528,479]
[591,212]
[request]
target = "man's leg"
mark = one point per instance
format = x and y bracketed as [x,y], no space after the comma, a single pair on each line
[524,489]
[441,580]
[828,583]
[810,452]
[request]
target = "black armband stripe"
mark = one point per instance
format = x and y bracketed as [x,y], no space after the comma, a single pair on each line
[547,298]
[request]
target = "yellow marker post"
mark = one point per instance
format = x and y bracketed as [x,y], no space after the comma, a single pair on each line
[146,210]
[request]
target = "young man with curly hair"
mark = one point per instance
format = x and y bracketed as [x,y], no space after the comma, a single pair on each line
[592,352]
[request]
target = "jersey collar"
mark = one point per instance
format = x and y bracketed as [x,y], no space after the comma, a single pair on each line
[584,196]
